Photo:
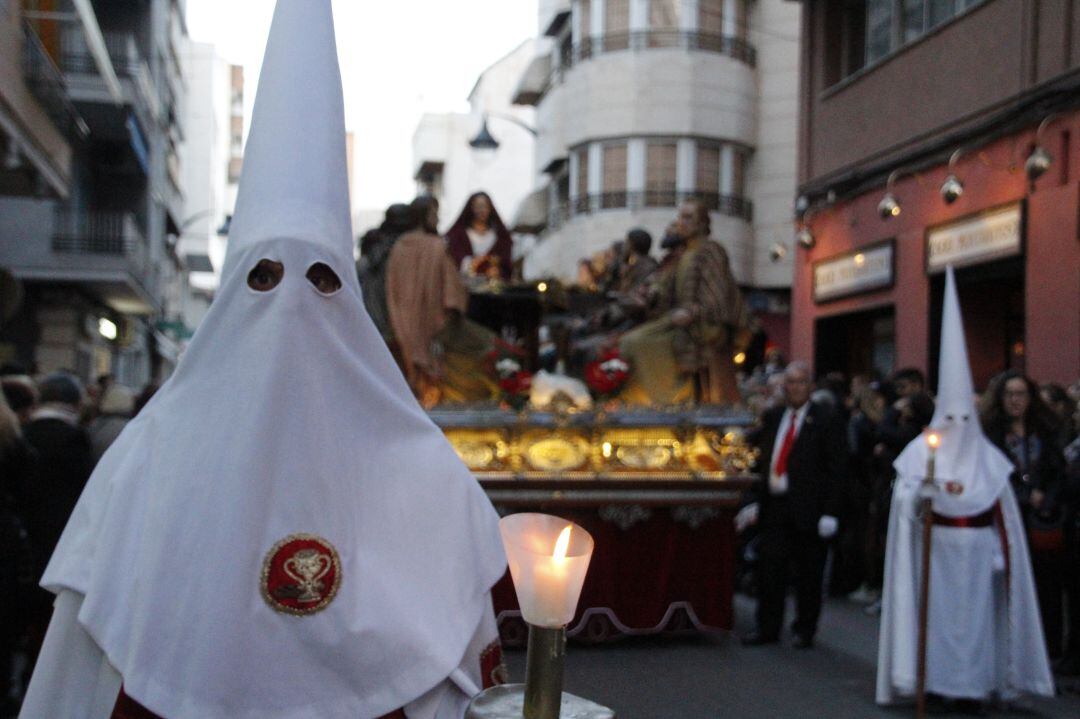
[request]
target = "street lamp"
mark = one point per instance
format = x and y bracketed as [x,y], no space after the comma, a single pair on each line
[952,188]
[1039,161]
[484,140]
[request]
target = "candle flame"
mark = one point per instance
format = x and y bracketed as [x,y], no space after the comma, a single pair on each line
[933,439]
[562,544]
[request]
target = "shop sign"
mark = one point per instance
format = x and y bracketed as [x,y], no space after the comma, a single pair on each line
[867,270]
[988,236]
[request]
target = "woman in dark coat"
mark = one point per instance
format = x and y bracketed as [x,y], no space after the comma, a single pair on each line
[1016,419]
[479,243]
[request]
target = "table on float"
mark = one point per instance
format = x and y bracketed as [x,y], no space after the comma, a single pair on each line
[658,492]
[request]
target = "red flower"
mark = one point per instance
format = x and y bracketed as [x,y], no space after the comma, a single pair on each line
[607,375]
[518,383]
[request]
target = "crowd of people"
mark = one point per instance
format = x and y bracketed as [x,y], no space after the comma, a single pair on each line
[53,430]
[1036,427]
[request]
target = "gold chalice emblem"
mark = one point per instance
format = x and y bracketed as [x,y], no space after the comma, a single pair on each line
[307,568]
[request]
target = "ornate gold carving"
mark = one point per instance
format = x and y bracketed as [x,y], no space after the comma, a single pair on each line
[480,450]
[644,456]
[557,454]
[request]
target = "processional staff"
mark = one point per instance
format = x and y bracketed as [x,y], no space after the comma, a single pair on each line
[926,509]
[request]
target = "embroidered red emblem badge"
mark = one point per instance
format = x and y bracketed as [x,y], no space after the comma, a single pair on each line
[300,575]
[954,488]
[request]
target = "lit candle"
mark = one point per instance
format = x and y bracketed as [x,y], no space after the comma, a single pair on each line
[933,441]
[551,583]
[548,560]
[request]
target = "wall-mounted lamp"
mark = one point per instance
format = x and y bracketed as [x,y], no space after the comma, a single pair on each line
[952,188]
[1039,161]
[805,237]
[107,328]
[889,206]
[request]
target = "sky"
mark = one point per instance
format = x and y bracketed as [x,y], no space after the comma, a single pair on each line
[399,59]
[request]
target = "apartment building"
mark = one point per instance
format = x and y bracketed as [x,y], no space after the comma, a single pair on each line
[643,103]
[93,243]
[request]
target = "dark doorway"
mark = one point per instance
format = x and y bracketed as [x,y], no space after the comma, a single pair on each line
[992,305]
[856,343]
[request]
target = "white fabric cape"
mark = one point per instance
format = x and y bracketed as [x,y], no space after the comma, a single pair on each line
[286,415]
[90,684]
[985,636]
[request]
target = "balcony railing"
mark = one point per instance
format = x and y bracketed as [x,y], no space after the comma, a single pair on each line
[46,82]
[558,214]
[733,47]
[76,58]
[100,233]
[730,205]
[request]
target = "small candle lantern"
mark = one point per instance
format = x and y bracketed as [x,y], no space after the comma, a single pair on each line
[548,558]
[933,442]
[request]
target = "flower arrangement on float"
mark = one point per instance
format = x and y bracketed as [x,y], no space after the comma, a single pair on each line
[507,366]
[606,376]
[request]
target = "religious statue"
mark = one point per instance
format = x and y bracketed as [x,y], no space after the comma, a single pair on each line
[479,242]
[441,351]
[686,352]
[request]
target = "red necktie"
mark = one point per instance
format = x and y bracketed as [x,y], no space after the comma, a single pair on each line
[785,448]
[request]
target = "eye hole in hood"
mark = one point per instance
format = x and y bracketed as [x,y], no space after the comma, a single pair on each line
[323,279]
[266,275]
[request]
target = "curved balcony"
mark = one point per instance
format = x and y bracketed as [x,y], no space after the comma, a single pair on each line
[664,92]
[728,205]
[733,47]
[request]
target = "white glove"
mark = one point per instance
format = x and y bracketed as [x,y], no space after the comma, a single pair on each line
[826,527]
[746,517]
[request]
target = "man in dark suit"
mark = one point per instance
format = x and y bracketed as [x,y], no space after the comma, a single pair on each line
[796,508]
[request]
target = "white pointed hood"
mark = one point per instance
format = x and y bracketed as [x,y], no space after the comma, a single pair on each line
[970,471]
[286,419]
[295,177]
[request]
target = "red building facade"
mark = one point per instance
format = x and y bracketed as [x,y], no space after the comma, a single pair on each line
[866,295]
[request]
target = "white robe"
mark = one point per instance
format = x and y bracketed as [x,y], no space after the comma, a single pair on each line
[985,635]
[73,678]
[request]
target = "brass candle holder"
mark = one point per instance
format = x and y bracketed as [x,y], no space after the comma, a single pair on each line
[548,559]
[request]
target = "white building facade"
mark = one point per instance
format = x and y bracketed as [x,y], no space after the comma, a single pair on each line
[210,172]
[446,166]
[643,103]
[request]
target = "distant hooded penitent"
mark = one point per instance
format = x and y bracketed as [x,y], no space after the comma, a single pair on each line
[984,637]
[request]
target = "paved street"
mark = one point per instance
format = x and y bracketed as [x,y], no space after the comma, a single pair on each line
[713,678]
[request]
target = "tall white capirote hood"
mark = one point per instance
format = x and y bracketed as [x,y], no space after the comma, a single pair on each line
[286,419]
[970,471]
[295,179]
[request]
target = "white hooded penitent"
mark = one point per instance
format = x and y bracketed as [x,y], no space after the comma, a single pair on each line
[984,635]
[282,532]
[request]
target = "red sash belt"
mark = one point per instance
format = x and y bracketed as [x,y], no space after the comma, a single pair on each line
[976,521]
